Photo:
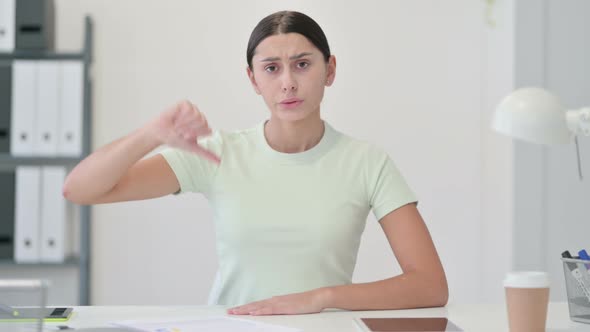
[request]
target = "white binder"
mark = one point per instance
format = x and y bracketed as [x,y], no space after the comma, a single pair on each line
[47,119]
[7,24]
[26,214]
[24,92]
[69,141]
[53,214]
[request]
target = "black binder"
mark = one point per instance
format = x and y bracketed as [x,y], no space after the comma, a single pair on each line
[7,187]
[5,105]
[35,25]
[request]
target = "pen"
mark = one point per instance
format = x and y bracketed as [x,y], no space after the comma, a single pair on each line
[576,273]
[8,309]
[584,255]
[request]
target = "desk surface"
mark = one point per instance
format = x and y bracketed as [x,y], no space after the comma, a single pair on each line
[470,317]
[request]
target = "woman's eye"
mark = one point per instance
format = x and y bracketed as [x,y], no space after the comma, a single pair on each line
[302,65]
[270,69]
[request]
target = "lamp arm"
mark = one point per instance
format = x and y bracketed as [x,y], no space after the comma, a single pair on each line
[578,121]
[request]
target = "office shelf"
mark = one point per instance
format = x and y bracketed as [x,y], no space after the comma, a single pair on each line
[9,162]
[71,261]
[85,54]
[36,55]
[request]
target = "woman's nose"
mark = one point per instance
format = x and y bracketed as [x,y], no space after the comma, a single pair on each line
[289,83]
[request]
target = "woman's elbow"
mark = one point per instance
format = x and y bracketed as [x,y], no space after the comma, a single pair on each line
[72,195]
[442,297]
[440,294]
[68,195]
[434,291]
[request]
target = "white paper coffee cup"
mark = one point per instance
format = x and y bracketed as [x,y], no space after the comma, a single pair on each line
[527,298]
[526,279]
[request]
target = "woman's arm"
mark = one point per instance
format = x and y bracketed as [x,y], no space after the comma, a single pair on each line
[422,284]
[116,173]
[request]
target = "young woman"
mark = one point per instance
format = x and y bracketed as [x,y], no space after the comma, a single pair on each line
[290,196]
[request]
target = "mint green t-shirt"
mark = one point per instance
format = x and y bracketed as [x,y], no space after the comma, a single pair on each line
[287,223]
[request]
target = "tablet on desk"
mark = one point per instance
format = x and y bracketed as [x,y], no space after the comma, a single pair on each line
[60,314]
[430,324]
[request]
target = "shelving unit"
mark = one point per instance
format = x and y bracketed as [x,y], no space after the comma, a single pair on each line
[9,162]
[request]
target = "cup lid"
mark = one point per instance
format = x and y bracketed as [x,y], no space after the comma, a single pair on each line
[526,279]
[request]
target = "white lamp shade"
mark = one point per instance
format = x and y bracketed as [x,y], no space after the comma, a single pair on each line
[533,115]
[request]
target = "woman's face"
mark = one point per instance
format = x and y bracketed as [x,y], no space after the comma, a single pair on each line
[290,73]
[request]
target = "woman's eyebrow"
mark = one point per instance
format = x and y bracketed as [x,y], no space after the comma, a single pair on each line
[293,57]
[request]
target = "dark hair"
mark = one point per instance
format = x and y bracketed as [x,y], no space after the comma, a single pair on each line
[287,22]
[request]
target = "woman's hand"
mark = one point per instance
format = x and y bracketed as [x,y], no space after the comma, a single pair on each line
[300,303]
[180,126]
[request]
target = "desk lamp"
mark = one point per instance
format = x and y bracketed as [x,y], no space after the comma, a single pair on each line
[537,116]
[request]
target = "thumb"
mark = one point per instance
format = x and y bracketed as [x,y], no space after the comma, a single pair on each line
[207,154]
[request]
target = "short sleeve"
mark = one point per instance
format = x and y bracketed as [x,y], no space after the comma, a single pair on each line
[388,189]
[195,173]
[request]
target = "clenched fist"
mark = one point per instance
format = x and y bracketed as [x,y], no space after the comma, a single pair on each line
[181,126]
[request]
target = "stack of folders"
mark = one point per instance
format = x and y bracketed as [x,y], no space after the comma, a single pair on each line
[41,115]
[26,25]
[43,219]
[45,111]
[46,102]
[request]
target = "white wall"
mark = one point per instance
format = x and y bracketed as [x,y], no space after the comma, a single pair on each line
[529,169]
[411,78]
[497,152]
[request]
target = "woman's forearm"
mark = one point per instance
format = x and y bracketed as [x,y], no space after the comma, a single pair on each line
[98,173]
[409,290]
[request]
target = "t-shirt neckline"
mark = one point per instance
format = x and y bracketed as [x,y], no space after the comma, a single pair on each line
[328,139]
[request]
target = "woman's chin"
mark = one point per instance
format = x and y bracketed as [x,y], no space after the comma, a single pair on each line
[294,115]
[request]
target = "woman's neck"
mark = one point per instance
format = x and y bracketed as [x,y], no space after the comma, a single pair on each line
[294,137]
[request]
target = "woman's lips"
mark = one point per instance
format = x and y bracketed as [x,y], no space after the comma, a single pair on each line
[291,103]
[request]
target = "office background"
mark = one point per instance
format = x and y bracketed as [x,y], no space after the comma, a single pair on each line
[418,78]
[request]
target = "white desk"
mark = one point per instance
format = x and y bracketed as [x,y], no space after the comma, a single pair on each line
[478,317]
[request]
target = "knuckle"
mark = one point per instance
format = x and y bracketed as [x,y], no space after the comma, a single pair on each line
[181,105]
[199,116]
[186,107]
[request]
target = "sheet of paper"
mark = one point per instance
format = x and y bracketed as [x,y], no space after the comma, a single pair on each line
[210,324]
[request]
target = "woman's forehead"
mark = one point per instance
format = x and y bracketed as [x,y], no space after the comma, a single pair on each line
[284,46]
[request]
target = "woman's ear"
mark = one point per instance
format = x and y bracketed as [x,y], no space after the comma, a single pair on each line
[331,70]
[252,80]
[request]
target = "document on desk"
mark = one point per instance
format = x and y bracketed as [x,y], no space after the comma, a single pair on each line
[210,324]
